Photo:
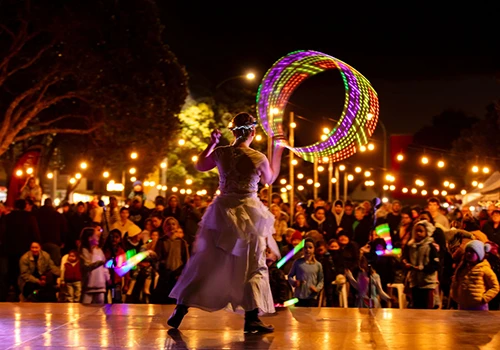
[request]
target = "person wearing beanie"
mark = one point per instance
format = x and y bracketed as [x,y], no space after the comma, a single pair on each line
[422,260]
[132,239]
[137,190]
[474,284]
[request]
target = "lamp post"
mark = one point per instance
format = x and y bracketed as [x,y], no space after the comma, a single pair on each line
[270,157]
[164,166]
[291,141]
[337,184]
[330,183]
[315,189]
[346,184]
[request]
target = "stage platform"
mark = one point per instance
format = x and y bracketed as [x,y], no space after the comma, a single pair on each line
[60,326]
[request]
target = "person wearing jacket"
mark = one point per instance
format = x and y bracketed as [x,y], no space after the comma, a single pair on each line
[422,261]
[474,284]
[36,280]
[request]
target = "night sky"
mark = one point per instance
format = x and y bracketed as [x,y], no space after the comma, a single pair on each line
[421,61]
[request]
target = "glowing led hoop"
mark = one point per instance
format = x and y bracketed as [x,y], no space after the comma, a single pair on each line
[359,116]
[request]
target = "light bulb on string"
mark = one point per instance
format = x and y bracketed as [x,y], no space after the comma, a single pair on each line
[400,157]
[425,160]
[440,164]
[475,169]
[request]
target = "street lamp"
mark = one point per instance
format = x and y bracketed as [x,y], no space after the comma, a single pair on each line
[249,76]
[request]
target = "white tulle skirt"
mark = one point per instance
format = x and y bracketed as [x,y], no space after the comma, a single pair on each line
[228,267]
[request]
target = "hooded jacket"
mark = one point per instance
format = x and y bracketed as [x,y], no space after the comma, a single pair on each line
[473,286]
[424,256]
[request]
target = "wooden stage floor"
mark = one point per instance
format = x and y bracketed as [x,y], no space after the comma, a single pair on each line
[59,326]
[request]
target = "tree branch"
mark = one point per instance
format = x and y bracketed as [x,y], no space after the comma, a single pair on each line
[8,121]
[58,131]
[29,63]
[8,31]
[18,43]
[55,120]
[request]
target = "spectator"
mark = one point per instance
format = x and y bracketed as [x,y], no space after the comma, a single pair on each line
[32,190]
[306,276]
[124,224]
[434,205]
[492,228]
[19,229]
[474,284]
[52,227]
[423,264]
[71,277]
[95,276]
[37,270]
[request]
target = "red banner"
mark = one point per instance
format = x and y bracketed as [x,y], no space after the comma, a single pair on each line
[28,160]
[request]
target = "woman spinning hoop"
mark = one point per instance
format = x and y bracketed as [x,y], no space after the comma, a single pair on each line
[228,267]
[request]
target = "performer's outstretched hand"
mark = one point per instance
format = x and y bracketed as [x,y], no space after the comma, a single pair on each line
[279,141]
[215,136]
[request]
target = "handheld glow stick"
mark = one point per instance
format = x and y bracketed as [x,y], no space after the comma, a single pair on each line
[131,263]
[291,253]
[291,302]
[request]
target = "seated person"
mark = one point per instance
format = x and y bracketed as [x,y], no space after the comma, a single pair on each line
[37,282]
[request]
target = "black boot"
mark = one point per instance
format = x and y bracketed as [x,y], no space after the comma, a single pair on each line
[175,319]
[254,325]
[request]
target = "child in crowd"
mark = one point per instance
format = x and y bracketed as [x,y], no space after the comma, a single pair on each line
[279,286]
[306,276]
[95,276]
[326,260]
[173,256]
[422,262]
[141,285]
[362,283]
[113,249]
[474,284]
[71,277]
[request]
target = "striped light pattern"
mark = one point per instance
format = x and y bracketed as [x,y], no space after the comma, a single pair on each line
[359,116]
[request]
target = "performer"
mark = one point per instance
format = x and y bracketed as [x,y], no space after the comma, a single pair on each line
[228,267]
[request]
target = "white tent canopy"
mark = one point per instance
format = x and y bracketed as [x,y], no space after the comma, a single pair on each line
[489,193]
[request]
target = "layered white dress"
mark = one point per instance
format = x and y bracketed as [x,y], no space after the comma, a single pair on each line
[228,267]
